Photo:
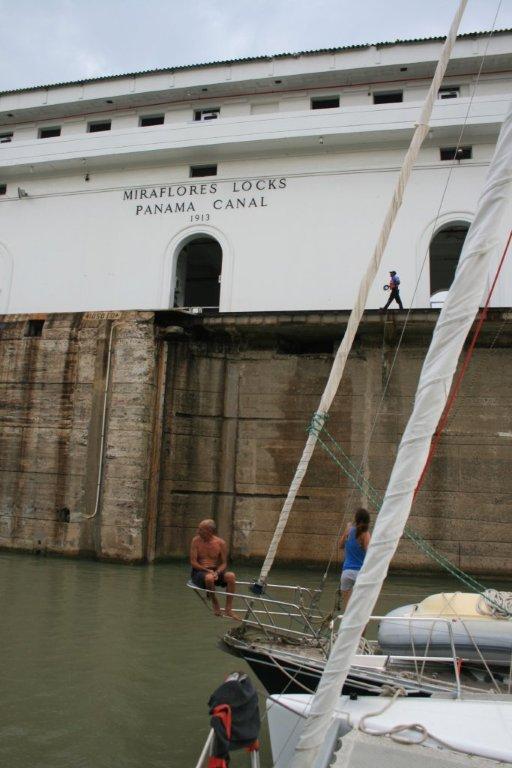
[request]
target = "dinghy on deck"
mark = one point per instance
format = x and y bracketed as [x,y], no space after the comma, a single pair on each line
[478,627]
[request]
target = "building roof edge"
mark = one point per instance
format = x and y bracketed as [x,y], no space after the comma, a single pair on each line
[267,57]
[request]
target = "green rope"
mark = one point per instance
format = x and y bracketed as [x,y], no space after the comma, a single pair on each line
[355,474]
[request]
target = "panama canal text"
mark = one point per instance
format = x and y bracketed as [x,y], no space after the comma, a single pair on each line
[198,198]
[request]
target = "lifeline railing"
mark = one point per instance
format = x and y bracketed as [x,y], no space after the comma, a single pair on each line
[302,623]
[296,620]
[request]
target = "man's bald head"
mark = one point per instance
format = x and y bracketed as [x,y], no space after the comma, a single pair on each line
[206,529]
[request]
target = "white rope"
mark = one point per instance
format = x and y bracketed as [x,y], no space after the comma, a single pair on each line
[455,321]
[496,603]
[356,314]
[396,731]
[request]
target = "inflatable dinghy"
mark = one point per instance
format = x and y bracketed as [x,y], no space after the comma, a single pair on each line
[481,626]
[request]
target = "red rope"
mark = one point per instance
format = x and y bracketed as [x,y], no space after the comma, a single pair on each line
[458,381]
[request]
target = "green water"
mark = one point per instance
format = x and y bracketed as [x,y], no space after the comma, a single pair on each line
[108,666]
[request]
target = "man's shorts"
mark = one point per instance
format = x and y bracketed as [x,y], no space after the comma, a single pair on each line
[198,578]
[348,579]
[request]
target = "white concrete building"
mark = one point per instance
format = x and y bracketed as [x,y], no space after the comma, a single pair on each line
[265,179]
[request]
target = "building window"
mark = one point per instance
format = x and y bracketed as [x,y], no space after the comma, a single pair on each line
[445,250]
[207,114]
[448,92]
[147,120]
[96,127]
[5,138]
[3,189]
[456,153]
[202,170]
[34,328]
[325,102]
[388,97]
[49,133]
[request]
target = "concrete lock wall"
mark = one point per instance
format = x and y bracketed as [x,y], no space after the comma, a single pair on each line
[53,396]
[207,416]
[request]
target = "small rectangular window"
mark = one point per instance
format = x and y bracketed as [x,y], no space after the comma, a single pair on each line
[456,153]
[49,133]
[388,97]
[5,138]
[96,127]
[325,102]
[147,120]
[202,170]
[448,92]
[207,114]
[3,189]
[264,109]
[34,328]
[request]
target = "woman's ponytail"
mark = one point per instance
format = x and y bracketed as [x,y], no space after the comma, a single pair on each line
[362,521]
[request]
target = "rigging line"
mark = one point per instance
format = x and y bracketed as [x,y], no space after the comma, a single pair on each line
[367,280]
[348,505]
[458,381]
[416,287]
[434,225]
[460,401]
[418,540]
[423,545]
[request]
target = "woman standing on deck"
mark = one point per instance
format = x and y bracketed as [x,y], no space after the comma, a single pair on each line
[355,540]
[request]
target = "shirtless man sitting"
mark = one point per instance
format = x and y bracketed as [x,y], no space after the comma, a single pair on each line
[208,558]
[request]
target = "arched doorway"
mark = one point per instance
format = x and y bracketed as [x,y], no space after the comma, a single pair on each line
[445,250]
[198,271]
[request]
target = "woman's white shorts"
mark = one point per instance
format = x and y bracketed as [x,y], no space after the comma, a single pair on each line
[348,579]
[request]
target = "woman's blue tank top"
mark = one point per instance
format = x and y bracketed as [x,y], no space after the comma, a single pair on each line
[354,553]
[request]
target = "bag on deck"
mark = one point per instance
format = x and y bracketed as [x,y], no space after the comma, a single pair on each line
[235,718]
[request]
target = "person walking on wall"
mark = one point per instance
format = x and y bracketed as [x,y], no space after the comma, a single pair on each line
[394,295]
[355,540]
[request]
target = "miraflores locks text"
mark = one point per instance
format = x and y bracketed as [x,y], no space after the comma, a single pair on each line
[192,197]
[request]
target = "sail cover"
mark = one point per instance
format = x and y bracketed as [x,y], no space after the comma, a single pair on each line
[455,320]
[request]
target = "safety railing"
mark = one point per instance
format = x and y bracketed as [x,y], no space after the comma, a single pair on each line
[301,623]
[299,620]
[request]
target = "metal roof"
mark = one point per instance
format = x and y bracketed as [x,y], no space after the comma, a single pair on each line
[268,57]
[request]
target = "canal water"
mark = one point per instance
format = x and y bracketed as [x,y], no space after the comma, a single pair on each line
[108,666]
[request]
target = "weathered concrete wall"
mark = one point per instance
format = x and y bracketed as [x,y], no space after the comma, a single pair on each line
[207,416]
[52,399]
[235,425]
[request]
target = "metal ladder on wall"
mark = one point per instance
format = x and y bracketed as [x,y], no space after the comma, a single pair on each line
[208,749]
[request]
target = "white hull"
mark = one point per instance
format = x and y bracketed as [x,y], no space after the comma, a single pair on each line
[480,728]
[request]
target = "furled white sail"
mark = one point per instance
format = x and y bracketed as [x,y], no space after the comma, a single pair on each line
[338,367]
[454,323]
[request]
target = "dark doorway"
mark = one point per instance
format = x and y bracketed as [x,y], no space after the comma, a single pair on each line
[198,274]
[445,250]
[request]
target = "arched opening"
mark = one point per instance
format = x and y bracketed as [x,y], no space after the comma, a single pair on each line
[445,250]
[198,271]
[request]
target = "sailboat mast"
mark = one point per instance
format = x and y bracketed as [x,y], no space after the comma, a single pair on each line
[333,382]
[454,323]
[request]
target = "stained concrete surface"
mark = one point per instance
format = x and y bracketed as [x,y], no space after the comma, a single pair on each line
[206,417]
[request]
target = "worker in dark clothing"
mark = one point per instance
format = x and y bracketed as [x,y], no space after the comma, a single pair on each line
[394,295]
